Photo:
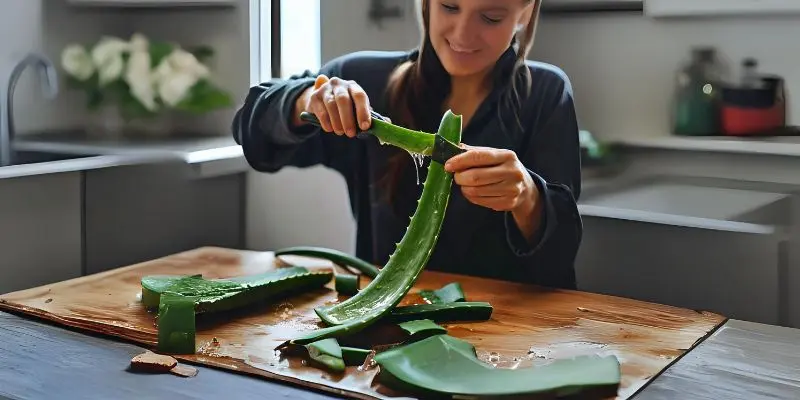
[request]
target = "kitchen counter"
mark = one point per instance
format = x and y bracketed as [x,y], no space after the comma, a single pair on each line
[206,155]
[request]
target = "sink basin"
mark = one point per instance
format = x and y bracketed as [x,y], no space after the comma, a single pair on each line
[33,157]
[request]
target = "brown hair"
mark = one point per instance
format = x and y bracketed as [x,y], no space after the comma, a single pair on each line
[414,96]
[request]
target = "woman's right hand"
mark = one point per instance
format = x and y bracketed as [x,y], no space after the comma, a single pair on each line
[338,104]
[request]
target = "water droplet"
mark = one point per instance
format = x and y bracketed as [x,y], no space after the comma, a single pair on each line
[494,357]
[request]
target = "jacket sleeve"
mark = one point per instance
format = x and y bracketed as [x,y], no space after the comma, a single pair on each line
[553,160]
[262,126]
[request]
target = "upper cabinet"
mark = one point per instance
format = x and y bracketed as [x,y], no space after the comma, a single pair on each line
[154,3]
[715,8]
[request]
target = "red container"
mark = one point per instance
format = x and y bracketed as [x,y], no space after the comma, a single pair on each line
[754,111]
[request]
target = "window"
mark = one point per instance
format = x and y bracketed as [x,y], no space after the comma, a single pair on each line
[285,38]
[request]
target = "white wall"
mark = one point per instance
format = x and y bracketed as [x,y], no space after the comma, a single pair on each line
[622,66]
[47,26]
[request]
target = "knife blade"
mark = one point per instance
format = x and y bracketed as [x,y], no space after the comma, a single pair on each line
[440,149]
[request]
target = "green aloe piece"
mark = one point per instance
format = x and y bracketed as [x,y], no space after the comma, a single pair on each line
[354,355]
[328,353]
[407,261]
[449,293]
[226,294]
[443,312]
[347,285]
[176,324]
[336,256]
[421,328]
[446,366]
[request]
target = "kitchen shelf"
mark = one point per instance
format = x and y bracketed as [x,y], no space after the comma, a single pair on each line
[153,3]
[719,8]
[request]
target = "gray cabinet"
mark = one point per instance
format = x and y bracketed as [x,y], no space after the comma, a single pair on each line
[40,230]
[142,212]
[707,244]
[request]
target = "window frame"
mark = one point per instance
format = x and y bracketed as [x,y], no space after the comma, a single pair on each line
[268,27]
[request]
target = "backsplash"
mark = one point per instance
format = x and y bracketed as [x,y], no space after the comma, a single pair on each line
[623,66]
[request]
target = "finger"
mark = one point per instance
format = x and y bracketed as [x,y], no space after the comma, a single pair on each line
[478,157]
[321,80]
[333,112]
[361,101]
[480,176]
[317,107]
[501,189]
[345,106]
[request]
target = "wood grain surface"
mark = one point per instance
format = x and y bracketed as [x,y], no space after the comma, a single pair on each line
[530,325]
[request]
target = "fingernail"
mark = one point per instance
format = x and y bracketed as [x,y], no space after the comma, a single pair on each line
[364,125]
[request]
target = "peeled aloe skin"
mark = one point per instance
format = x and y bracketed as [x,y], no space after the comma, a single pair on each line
[408,260]
[445,365]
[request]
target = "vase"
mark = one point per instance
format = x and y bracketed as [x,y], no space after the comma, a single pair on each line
[109,123]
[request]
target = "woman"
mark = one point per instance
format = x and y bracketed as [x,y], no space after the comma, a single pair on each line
[512,214]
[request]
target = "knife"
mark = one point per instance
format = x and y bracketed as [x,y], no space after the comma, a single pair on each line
[437,147]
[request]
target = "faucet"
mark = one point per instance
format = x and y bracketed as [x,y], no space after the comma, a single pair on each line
[49,79]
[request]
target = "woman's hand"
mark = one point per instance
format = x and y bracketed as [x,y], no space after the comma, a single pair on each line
[338,104]
[496,179]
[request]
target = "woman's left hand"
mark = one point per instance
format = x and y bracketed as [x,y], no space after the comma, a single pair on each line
[494,178]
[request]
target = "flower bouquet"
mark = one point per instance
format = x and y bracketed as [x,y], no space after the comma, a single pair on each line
[142,80]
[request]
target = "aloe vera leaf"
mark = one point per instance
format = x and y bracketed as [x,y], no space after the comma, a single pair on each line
[333,255]
[230,293]
[347,285]
[445,365]
[406,262]
[176,324]
[443,312]
[421,328]
[450,293]
[328,353]
[354,355]
[417,142]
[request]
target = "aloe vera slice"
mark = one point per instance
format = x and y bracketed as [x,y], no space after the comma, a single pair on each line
[406,262]
[226,294]
[450,293]
[328,353]
[445,365]
[354,355]
[347,285]
[176,324]
[443,312]
[421,328]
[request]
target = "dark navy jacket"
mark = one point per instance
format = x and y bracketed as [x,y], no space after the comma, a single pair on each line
[474,240]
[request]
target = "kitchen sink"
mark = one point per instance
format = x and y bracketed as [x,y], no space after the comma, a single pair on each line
[20,157]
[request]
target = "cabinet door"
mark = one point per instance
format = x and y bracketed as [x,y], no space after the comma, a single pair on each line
[40,230]
[142,212]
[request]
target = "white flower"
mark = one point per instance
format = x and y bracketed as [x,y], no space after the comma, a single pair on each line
[107,57]
[139,42]
[186,62]
[176,74]
[140,79]
[76,61]
[111,70]
[174,88]
[107,49]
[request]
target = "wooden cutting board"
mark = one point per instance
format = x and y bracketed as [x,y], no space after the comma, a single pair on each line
[529,326]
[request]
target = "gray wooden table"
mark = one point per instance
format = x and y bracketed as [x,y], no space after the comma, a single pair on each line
[741,360]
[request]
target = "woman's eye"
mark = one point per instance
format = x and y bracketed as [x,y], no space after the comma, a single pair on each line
[449,7]
[492,20]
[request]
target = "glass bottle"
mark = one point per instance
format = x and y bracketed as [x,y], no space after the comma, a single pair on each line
[696,103]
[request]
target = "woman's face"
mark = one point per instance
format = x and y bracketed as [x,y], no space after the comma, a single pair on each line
[470,35]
